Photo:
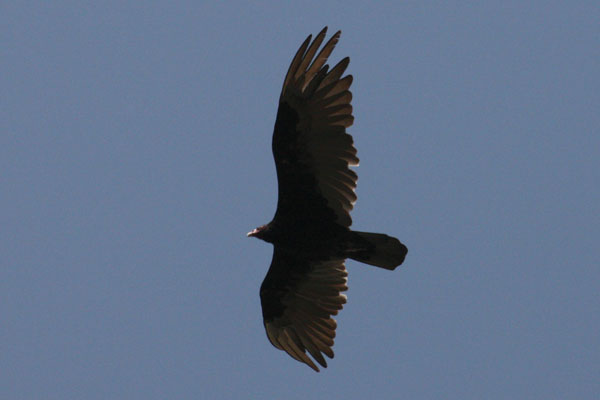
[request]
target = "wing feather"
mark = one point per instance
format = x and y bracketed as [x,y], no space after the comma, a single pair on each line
[324,54]
[298,307]
[309,343]
[298,347]
[336,72]
[310,53]
[333,88]
[342,98]
[295,63]
[311,148]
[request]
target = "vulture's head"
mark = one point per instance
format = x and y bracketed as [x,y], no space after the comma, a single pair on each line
[262,232]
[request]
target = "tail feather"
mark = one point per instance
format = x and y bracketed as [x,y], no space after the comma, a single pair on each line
[378,249]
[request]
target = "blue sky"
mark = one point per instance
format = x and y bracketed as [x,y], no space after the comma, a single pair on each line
[135,155]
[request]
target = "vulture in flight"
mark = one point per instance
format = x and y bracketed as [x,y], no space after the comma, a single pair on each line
[310,230]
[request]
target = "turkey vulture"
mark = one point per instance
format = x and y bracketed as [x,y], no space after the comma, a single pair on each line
[310,230]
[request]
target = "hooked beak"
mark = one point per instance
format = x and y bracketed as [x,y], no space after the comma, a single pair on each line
[252,233]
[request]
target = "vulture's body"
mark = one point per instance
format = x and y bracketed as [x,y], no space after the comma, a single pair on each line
[310,230]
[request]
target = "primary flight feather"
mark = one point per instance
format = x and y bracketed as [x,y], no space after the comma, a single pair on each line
[310,230]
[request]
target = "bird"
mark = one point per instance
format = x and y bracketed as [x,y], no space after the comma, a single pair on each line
[310,230]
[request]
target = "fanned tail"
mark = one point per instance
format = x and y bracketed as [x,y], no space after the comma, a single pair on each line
[377,249]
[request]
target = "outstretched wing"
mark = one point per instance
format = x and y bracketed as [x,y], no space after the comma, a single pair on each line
[311,148]
[298,298]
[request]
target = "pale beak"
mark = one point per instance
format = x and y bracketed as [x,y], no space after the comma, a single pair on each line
[252,232]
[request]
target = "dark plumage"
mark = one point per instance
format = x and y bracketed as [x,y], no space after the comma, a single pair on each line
[310,230]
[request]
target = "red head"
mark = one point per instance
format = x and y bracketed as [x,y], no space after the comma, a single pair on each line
[262,232]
